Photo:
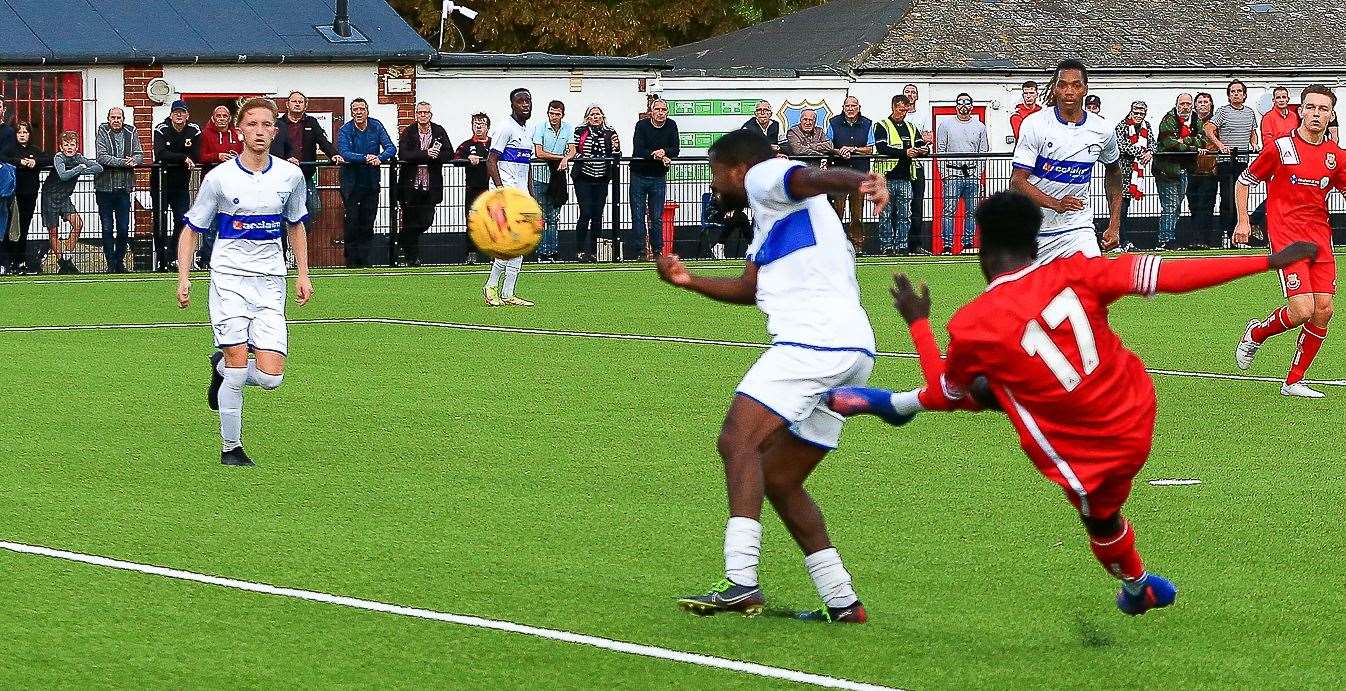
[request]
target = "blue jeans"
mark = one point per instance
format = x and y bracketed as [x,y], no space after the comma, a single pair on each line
[1171,193]
[114,215]
[647,196]
[551,217]
[896,221]
[969,190]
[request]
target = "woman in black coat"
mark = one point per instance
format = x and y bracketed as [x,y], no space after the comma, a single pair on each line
[28,160]
[423,147]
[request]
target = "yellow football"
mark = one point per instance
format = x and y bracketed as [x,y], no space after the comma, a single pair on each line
[505,223]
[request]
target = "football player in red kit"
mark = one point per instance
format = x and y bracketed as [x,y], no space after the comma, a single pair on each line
[1299,169]
[1037,344]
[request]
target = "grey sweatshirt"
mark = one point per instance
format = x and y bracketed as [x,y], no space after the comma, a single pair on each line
[111,149]
[61,182]
[958,137]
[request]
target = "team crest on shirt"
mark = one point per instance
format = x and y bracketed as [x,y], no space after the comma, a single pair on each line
[1292,281]
[1331,161]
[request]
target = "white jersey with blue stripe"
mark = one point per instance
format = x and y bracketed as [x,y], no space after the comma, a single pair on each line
[513,143]
[1059,157]
[805,266]
[250,210]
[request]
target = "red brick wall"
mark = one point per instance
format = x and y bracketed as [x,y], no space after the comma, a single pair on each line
[406,103]
[134,80]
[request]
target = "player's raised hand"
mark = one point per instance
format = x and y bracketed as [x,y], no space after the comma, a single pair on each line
[184,293]
[303,290]
[912,306]
[1296,252]
[875,190]
[672,270]
[1068,203]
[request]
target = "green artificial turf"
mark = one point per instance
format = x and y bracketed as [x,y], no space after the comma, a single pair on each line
[571,483]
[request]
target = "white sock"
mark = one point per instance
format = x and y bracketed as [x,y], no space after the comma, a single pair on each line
[497,269]
[511,276]
[257,377]
[742,547]
[231,407]
[830,578]
[907,402]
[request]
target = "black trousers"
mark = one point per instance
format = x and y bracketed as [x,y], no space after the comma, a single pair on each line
[175,201]
[16,250]
[1201,200]
[470,195]
[1228,172]
[917,237]
[591,195]
[362,206]
[418,213]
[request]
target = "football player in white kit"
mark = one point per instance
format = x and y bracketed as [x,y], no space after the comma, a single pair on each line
[801,273]
[1054,161]
[252,200]
[507,164]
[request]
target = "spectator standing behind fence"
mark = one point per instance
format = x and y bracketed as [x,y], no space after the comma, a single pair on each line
[554,146]
[763,123]
[1202,182]
[68,166]
[1180,138]
[897,139]
[299,137]
[116,148]
[29,161]
[8,140]
[654,146]
[808,139]
[220,143]
[364,143]
[425,147]
[1280,121]
[177,148]
[1030,105]
[1093,104]
[1233,131]
[598,147]
[920,240]
[509,164]
[853,139]
[475,179]
[963,134]
[1135,144]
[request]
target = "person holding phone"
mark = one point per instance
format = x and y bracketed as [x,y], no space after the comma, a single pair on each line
[899,140]
[425,147]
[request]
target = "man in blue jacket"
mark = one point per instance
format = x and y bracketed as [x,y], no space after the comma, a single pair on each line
[365,144]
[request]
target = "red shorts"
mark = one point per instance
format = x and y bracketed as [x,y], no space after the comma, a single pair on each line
[1095,473]
[1316,275]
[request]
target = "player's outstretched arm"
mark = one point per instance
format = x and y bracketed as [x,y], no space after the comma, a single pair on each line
[1185,275]
[303,286]
[915,310]
[807,182]
[735,291]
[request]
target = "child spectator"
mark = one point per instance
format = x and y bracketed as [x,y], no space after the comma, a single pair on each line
[69,165]
[474,152]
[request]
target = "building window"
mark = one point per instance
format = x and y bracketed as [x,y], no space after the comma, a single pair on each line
[52,101]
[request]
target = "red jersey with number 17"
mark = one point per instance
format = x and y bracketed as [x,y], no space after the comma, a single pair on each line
[1041,338]
[1298,175]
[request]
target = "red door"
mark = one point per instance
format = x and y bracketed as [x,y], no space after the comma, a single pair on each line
[939,114]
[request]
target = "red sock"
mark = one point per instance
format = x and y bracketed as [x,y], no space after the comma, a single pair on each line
[1118,553]
[1310,340]
[1277,323]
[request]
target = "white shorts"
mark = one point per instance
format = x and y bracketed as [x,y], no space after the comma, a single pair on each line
[249,309]
[1081,240]
[791,380]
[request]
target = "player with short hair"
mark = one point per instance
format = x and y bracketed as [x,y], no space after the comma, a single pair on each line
[1299,169]
[508,164]
[801,272]
[1054,158]
[251,199]
[1037,344]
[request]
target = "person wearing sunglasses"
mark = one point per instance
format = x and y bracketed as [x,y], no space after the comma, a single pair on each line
[955,139]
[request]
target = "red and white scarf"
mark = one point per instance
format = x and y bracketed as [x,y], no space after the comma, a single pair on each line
[1140,137]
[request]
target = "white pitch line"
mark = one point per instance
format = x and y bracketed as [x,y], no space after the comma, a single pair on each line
[1174,483]
[596,335]
[651,651]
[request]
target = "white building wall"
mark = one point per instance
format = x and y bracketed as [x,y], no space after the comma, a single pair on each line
[344,80]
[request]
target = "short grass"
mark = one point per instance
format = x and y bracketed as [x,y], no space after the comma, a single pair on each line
[571,483]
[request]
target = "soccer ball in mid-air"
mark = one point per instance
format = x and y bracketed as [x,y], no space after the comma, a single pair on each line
[505,223]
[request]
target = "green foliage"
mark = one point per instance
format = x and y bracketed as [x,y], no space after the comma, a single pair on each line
[594,27]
